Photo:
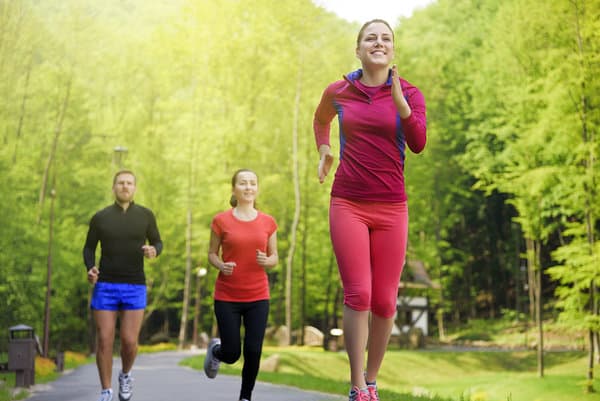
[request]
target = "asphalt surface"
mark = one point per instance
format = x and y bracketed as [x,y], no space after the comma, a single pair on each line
[158,377]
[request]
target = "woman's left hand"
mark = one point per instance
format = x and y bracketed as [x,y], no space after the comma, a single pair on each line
[261,258]
[399,100]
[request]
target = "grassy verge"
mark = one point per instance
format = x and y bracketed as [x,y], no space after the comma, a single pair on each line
[435,375]
[309,369]
[510,332]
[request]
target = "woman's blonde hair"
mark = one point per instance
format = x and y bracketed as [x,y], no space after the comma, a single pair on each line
[366,24]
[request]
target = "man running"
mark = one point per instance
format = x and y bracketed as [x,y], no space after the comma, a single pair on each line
[127,233]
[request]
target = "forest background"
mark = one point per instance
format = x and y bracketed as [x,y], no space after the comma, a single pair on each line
[503,201]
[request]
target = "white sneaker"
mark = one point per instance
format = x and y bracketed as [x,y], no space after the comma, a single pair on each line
[106,395]
[125,386]
[211,363]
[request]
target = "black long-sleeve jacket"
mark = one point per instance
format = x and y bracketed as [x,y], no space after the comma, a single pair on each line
[121,234]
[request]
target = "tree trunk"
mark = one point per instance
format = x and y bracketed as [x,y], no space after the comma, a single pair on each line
[535,284]
[596,341]
[328,323]
[530,278]
[186,285]
[46,341]
[590,372]
[296,218]
[438,238]
[22,113]
[305,233]
[47,170]
[197,308]
[538,310]
[52,154]
[188,245]
[337,302]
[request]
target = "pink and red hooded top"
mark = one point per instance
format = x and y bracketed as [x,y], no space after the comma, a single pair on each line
[373,137]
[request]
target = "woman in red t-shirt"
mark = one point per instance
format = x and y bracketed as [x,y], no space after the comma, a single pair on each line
[243,245]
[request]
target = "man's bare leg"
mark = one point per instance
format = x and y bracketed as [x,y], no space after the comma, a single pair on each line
[131,324]
[105,338]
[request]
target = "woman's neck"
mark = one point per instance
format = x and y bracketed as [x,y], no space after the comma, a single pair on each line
[374,76]
[245,212]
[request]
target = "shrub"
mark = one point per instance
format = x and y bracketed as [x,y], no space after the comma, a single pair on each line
[44,366]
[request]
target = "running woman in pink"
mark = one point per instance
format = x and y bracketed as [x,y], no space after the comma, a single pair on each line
[379,113]
[243,246]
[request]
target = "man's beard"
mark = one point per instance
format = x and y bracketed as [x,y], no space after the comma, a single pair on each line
[125,198]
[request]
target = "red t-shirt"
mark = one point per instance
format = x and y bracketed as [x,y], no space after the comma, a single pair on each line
[239,242]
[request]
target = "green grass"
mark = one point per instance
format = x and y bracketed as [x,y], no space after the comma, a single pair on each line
[7,391]
[509,332]
[435,375]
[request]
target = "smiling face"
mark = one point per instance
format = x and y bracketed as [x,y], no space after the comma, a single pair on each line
[375,45]
[245,187]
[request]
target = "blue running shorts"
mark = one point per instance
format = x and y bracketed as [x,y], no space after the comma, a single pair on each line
[118,296]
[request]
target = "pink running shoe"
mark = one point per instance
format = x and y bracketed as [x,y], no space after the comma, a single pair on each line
[373,392]
[357,394]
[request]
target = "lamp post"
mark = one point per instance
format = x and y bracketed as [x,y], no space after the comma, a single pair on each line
[199,274]
[46,338]
[334,340]
[120,152]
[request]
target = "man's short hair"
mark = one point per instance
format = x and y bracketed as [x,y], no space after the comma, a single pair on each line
[118,173]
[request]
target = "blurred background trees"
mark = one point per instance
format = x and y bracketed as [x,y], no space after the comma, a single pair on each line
[503,201]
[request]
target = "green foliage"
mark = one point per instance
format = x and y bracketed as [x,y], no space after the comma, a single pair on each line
[514,91]
[196,89]
[190,98]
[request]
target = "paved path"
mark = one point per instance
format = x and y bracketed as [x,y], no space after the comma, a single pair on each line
[158,377]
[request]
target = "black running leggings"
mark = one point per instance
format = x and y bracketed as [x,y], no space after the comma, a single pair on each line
[230,315]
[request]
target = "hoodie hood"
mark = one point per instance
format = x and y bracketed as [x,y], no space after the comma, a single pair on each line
[355,75]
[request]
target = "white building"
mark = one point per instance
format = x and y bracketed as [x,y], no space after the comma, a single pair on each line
[413,312]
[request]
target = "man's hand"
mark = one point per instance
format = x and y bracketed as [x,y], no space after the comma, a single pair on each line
[92,275]
[149,251]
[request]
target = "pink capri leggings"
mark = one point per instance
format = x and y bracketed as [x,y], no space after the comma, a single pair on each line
[369,240]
